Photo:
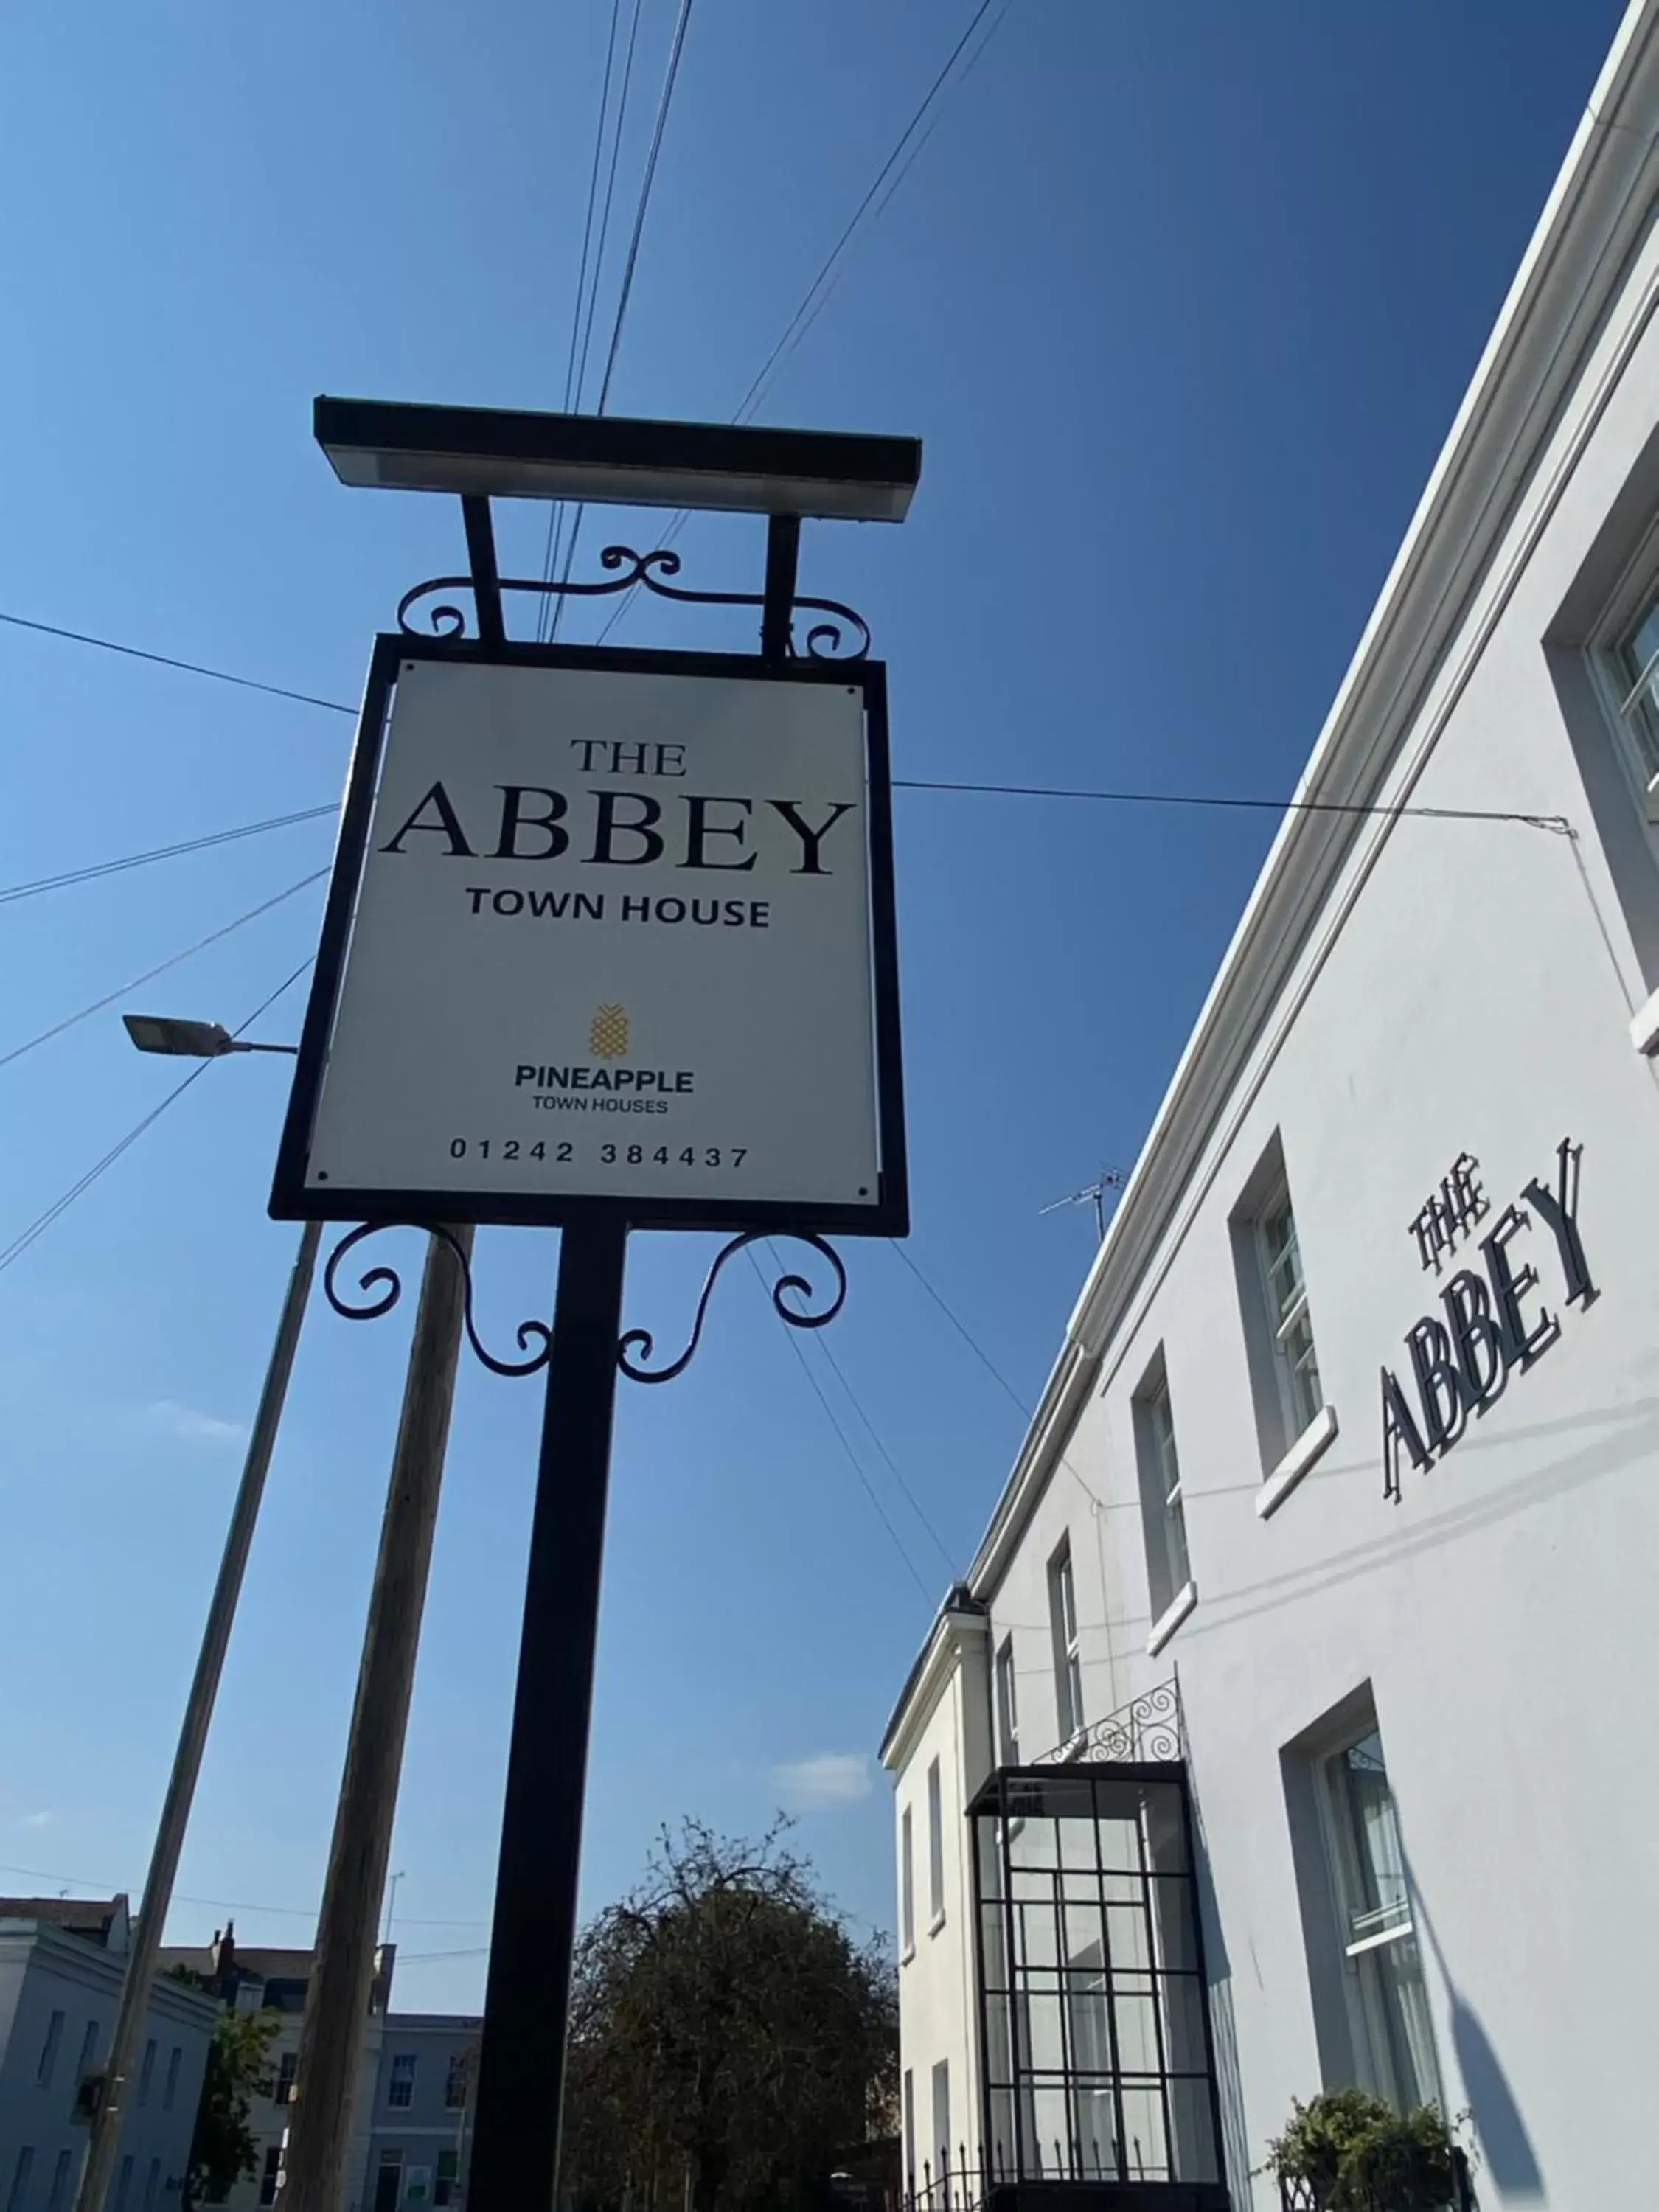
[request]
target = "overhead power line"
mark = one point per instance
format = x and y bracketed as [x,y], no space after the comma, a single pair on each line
[572,382]
[610,198]
[670,77]
[817,292]
[587,284]
[161,967]
[909,1496]
[805,312]
[98,868]
[42,1222]
[792,344]
[857,1465]
[625,294]
[166,660]
[1556,823]
[963,1332]
[225,1904]
[990,1365]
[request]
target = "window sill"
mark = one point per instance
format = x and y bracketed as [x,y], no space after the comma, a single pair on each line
[1314,1441]
[1645,1028]
[907,1954]
[1171,1618]
[1401,1929]
[937,1921]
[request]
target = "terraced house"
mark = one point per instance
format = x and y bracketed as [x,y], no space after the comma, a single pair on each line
[1292,1727]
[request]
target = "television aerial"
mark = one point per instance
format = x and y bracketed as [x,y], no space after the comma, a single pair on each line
[1092,1194]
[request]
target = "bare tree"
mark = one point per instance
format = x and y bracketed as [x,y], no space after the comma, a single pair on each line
[729,2037]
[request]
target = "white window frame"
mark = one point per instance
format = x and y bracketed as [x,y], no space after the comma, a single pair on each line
[443,2184]
[941,2082]
[1007,1685]
[906,1885]
[1163,1514]
[456,2073]
[24,2169]
[401,2079]
[1633,717]
[48,2063]
[935,1850]
[1365,1932]
[1068,1659]
[1286,1314]
[270,2176]
[288,2072]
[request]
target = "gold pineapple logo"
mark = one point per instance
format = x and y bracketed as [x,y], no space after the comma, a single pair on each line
[607,1033]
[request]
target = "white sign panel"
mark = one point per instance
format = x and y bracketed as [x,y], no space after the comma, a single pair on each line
[613,937]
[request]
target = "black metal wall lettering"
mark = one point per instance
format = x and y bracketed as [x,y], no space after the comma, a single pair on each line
[1560,1210]
[1490,1324]
[1523,1340]
[1449,1212]
[1399,1427]
[1478,1340]
[1439,1382]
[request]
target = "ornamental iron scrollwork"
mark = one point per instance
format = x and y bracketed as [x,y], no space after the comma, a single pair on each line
[382,1287]
[1148,1731]
[389,1284]
[641,1339]
[823,641]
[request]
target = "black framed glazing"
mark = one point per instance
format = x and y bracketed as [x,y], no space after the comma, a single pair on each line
[292,1200]
[1077,1940]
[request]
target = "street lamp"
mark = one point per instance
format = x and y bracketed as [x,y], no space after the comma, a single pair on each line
[190,1039]
[203,1041]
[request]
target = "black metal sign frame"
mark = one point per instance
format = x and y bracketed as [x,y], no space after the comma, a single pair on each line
[292,1199]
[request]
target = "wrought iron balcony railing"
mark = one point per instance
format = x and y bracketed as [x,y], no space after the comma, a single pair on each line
[1148,1730]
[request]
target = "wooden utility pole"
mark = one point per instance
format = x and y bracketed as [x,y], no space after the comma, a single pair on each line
[336,2010]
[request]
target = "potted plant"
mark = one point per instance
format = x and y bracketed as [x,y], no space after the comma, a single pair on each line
[1349,2152]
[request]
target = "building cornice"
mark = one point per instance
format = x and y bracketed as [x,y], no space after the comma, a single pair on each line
[77,1959]
[1064,1396]
[959,1621]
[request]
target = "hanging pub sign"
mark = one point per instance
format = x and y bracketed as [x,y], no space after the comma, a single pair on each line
[1494,1314]
[608,930]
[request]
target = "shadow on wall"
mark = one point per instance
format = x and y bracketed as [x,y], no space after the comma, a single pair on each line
[1224,2024]
[1506,2149]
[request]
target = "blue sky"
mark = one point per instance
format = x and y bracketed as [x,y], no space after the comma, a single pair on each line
[1181,298]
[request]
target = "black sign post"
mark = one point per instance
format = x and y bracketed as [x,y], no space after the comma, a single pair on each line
[517,2115]
[785,476]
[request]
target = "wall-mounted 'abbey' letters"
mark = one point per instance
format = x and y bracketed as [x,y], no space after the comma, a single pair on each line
[1491,1322]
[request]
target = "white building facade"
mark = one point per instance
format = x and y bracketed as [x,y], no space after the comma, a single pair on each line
[422,2117]
[275,1984]
[60,1965]
[1292,1727]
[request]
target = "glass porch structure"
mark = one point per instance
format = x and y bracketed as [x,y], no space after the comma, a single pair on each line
[1099,2070]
